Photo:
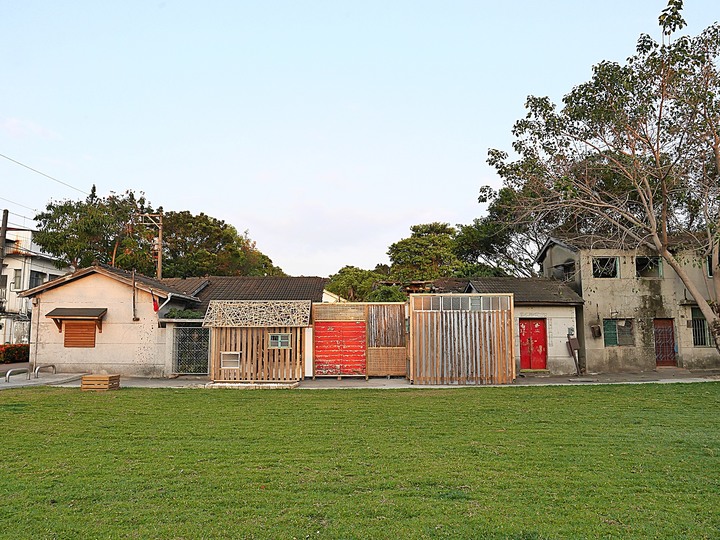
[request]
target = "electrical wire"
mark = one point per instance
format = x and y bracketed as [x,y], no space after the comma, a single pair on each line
[43,174]
[17,204]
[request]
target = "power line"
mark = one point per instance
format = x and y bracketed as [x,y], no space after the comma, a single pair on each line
[17,204]
[20,215]
[43,174]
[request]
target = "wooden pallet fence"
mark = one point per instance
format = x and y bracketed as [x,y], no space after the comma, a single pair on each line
[461,339]
[99,382]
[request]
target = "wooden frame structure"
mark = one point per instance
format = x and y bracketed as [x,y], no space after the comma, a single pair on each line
[461,339]
[242,348]
[384,351]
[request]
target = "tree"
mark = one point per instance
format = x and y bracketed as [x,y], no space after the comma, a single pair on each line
[109,230]
[387,293]
[429,253]
[353,284]
[497,242]
[95,229]
[200,245]
[634,153]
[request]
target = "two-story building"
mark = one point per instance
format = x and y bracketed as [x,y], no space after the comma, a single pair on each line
[24,266]
[637,314]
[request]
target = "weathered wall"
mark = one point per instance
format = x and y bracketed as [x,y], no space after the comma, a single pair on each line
[559,320]
[643,300]
[125,346]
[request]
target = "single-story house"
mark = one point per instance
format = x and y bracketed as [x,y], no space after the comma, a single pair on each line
[106,320]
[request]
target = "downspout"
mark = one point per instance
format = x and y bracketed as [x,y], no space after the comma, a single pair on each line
[134,308]
[35,311]
[165,302]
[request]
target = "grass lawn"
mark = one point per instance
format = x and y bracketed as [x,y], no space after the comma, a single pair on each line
[637,461]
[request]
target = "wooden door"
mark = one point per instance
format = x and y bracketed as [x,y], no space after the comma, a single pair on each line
[340,348]
[533,344]
[664,342]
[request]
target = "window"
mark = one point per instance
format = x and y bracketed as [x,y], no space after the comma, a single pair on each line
[605,267]
[229,360]
[700,330]
[79,334]
[3,286]
[709,265]
[36,278]
[618,332]
[279,341]
[648,267]
[17,280]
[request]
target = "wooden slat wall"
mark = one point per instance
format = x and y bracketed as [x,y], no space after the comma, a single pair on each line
[462,347]
[258,362]
[79,334]
[387,341]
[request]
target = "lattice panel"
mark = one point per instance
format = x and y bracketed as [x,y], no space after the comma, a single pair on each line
[257,313]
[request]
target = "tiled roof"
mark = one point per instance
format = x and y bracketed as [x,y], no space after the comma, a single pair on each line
[191,285]
[529,290]
[261,288]
[141,281]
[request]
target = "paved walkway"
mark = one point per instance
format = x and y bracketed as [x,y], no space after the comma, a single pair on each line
[661,375]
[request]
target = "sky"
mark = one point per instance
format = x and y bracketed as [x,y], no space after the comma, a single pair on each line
[324,129]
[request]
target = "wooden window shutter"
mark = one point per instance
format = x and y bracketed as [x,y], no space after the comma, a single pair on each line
[79,333]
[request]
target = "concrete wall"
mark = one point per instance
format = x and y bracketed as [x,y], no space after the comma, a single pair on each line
[559,320]
[643,300]
[125,346]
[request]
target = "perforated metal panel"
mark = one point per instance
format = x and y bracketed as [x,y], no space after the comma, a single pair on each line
[191,350]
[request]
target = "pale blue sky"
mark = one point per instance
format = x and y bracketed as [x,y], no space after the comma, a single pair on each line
[324,128]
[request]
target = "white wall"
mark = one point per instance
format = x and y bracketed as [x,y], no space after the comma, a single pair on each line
[125,346]
[559,320]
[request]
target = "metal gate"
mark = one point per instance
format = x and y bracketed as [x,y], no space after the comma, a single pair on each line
[191,350]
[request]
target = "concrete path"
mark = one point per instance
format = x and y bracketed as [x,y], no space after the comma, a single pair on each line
[661,375]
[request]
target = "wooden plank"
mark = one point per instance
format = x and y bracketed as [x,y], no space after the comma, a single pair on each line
[100,382]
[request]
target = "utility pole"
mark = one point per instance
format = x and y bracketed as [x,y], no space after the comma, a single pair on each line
[155,220]
[3,236]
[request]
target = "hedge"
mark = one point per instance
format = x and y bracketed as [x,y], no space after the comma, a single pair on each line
[11,354]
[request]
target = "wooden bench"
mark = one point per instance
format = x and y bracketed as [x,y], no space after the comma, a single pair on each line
[100,382]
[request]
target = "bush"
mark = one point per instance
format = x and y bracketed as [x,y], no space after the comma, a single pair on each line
[12,354]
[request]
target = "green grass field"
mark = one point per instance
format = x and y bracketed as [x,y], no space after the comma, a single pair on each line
[629,461]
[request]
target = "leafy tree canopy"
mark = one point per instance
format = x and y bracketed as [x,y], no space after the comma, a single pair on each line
[429,253]
[354,284]
[110,230]
[633,154]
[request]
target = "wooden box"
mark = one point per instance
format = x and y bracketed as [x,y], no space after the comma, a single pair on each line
[100,382]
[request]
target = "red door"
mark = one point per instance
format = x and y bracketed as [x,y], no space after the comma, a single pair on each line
[664,342]
[340,348]
[533,344]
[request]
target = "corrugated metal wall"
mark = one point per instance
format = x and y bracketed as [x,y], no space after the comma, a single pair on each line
[461,339]
[337,350]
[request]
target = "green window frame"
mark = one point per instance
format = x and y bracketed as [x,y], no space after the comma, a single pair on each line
[700,330]
[279,341]
[619,332]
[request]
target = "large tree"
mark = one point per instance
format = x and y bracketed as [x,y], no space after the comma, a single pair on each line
[354,284]
[96,229]
[429,253]
[634,153]
[199,245]
[110,230]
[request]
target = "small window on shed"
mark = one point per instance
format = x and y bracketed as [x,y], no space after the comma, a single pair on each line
[648,267]
[229,360]
[605,267]
[279,341]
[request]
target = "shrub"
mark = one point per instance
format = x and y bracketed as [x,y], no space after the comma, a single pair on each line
[11,354]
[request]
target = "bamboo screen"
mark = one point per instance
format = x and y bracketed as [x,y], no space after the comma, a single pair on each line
[461,339]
